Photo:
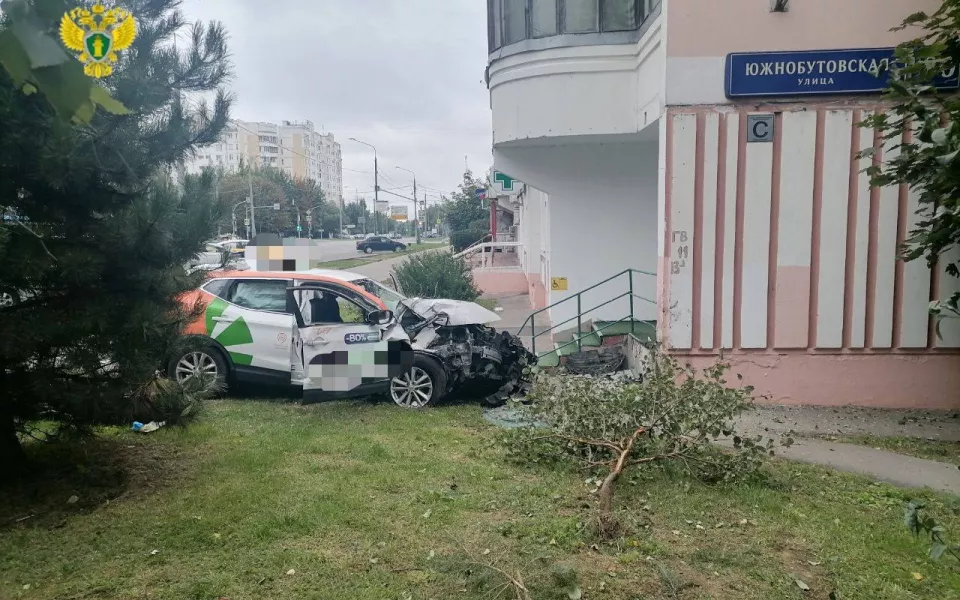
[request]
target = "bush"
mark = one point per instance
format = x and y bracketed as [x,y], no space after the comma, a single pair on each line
[607,425]
[461,240]
[436,275]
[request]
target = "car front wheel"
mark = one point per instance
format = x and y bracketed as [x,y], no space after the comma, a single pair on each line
[424,384]
[368,250]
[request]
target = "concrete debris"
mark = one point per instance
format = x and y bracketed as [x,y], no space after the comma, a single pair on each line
[511,416]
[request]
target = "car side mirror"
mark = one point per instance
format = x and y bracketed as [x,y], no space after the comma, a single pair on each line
[380,317]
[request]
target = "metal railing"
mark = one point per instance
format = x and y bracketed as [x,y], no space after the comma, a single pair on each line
[487,250]
[469,249]
[502,238]
[578,297]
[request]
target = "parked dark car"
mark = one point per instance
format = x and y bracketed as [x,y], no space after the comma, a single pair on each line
[379,243]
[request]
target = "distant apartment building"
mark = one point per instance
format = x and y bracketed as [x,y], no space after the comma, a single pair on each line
[293,146]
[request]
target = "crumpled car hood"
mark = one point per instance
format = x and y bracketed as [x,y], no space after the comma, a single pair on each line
[459,312]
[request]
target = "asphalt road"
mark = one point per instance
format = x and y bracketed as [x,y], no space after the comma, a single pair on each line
[344,249]
[327,250]
[382,269]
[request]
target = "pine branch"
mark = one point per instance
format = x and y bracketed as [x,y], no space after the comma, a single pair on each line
[39,237]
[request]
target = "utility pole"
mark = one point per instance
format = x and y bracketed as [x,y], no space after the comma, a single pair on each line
[416,222]
[376,184]
[253,213]
[416,213]
[341,215]
[376,192]
[216,184]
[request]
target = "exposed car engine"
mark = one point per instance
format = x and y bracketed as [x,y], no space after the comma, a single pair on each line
[477,359]
[483,360]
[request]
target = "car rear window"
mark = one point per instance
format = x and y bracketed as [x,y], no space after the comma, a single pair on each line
[217,287]
[269,295]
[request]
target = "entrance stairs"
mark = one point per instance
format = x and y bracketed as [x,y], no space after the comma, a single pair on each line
[596,334]
[581,333]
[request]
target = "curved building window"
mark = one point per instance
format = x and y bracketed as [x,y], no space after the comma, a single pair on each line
[619,15]
[581,16]
[512,21]
[544,18]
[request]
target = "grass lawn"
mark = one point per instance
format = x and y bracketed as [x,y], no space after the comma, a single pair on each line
[488,303]
[350,263]
[948,452]
[358,501]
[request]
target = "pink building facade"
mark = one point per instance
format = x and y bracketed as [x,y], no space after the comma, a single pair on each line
[771,247]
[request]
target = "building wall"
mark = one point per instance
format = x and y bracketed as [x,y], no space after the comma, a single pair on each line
[784,249]
[701,34]
[294,147]
[601,220]
[578,90]
[530,215]
[779,256]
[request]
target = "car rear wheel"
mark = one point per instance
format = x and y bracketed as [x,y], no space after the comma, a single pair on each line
[424,384]
[204,362]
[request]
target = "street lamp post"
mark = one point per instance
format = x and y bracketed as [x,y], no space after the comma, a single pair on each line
[233,214]
[310,220]
[416,219]
[376,183]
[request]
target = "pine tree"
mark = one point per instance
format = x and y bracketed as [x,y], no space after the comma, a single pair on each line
[94,238]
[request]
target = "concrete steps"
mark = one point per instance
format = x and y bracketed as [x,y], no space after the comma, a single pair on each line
[600,334]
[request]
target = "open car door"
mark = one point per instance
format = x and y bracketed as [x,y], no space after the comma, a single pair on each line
[349,346]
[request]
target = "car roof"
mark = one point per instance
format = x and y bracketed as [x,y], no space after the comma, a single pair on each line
[333,274]
[303,275]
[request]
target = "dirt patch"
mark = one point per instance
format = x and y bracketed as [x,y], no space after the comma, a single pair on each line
[851,421]
[66,479]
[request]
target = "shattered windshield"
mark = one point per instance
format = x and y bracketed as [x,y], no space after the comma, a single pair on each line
[389,297]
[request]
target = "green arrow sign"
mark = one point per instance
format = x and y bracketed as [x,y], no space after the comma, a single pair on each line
[504,180]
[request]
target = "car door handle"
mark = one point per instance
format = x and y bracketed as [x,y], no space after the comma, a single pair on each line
[317,342]
[222,319]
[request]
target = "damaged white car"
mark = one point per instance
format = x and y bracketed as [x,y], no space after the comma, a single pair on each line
[478,361]
[339,335]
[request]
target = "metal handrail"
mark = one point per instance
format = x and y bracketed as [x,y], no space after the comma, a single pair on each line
[611,301]
[580,312]
[482,240]
[492,246]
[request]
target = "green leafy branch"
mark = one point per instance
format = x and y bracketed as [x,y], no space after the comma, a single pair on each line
[921,525]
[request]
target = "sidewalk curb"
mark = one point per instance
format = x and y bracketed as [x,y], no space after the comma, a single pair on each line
[882,465]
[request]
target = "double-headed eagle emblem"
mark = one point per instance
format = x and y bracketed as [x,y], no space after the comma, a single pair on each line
[98,34]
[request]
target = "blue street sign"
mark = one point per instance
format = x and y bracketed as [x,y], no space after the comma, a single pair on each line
[481,193]
[815,72]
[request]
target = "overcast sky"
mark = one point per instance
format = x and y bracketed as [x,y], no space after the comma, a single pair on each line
[405,76]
